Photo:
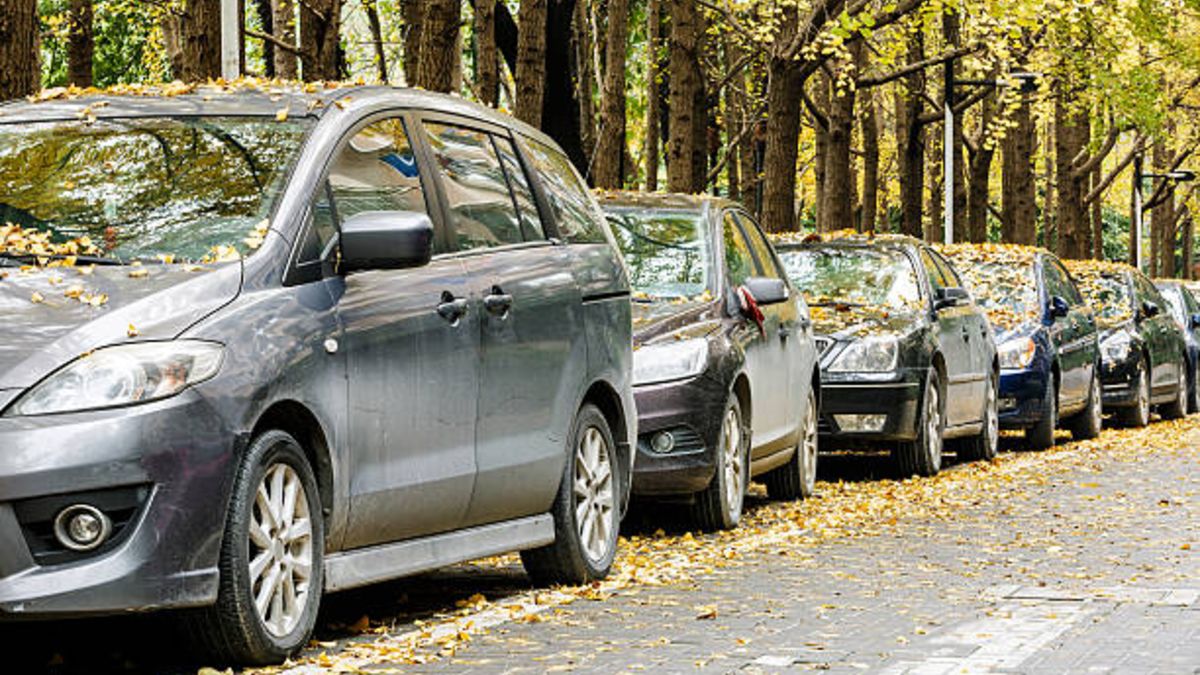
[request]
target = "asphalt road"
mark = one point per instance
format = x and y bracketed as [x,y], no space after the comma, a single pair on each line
[1082,558]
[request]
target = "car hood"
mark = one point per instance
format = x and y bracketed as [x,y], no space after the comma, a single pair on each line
[654,319]
[49,321]
[851,322]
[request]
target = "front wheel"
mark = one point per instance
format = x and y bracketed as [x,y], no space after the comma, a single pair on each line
[1138,415]
[271,575]
[798,478]
[1087,424]
[985,445]
[585,511]
[923,456]
[1041,435]
[719,506]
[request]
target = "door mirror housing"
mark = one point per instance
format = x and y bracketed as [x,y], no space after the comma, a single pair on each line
[1149,309]
[1058,307]
[766,290]
[952,296]
[1195,321]
[386,240]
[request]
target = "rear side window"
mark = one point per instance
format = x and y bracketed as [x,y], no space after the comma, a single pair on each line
[531,222]
[483,211]
[576,215]
[738,260]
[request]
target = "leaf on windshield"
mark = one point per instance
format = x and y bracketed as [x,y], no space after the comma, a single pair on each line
[37,298]
[1000,278]
[1095,281]
[220,254]
[282,115]
[258,234]
[17,240]
[132,331]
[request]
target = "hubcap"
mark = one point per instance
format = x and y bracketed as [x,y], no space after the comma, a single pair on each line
[808,448]
[281,550]
[933,426]
[1097,410]
[594,494]
[732,462]
[1143,395]
[993,420]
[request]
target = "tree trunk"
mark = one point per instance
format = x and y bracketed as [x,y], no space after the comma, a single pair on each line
[82,44]
[820,124]
[951,29]
[734,117]
[284,27]
[910,141]
[439,39]
[870,179]
[650,148]
[1072,132]
[747,171]
[584,65]
[1162,217]
[20,72]
[414,21]
[1097,217]
[1018,187]
[784,80]
[487,58]
[193,40]
[1188,234]
[684,144]
[376,27]
[531,61]
[980,174]
[266,20]
[837,197]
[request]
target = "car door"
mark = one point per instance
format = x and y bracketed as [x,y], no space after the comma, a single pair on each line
[1072,335]
[533,353]
[964,391]
[1161,335]
[411,344]
[786,315]
[765,364]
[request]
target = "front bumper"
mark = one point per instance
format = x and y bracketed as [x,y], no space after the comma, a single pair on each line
[175,455]
[896,399]
[1118,382]
[691,411]
[1021,393]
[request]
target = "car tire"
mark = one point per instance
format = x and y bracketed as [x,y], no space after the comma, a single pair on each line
[719,506]
[923,456]
[1194,389]
[1041,435]
[251,624]
[986,444]
[1089,422]
[585,532]
[1138,415]
[798,478]
[1178,406]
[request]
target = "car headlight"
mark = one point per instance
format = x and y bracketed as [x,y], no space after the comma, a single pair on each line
[669,361]
[1116,346]
[122,375]
[868,355]
[1018,353]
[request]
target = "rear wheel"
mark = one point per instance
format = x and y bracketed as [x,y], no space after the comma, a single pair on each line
[923,456]
[798,478]
[1177,408]
[985,445]
[585,510]
[1138,415]
[1194,388]
[1088,423]
[271,574]
[1041,435]
[719,506]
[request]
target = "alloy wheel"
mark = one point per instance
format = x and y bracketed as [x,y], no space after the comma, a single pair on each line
[1143,395]
[1096,405]
[992,419]
[808,448]
[281,550]
[732,461]
[593,488]
[933,425]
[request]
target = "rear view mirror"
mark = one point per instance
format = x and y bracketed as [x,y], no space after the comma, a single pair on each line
[952,296]
[766,290]
[1058,307]
[1149,309]
[386,240]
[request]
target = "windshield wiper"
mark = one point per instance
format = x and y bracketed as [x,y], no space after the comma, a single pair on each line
[30,258]
[835,303]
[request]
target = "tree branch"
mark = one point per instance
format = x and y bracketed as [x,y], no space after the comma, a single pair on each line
[915,67]
[1139,146]
[1082,165]
[273,40]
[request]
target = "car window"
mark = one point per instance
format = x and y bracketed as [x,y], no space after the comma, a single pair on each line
[1175,302]
[739,262]
[767,265]
[1058,283]
[322,228]
[531,222]
[936,279]
[377,171]
[576,215]
[483,212]
[949,274]
[1146,291]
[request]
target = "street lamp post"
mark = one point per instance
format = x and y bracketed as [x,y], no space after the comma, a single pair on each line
[1138,223]
[231,65]
[1027,83]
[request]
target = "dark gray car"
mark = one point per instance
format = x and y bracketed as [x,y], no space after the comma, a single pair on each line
[264,344]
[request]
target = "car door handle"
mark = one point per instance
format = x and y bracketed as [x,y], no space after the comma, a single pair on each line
[451,308]
[966,333]
[784,332]
[498,302]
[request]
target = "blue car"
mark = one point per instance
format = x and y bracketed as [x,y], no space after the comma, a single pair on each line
[1045,336]
[1185,309]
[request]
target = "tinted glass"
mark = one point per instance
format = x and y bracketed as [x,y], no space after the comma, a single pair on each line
[1175,303]
[936,277]
[949,274]
[321,228]
[574,212]
[531,222]
[853,276]
[482,210]
[739,262]
[142,188]
[1007,291]
[666,251]
[377,171]
[1057,282]
[1109,296]
[760,247]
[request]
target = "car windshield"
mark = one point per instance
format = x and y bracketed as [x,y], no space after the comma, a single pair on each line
[853,276]
[1174,296]
[1109,297]
[667,251]
[156,188]
[1007,291]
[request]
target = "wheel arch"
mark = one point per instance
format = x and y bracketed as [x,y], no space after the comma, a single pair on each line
[296,419]
[604,396]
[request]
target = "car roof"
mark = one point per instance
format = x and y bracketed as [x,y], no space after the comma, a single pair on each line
[661,200]
[843,238]
[247,97]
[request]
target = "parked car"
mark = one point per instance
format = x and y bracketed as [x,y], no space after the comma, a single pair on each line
[907,358]
[1045,336]
[1142,350]
[1185,309]
[309,341]
[724,366]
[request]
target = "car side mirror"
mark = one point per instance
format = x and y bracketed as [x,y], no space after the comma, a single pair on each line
[952,296]
[766,290]
[1149,309]
[1195,321]
[386,240]
[1058,307]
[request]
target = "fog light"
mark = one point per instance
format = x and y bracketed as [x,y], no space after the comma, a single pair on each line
[82,527]
[1007,403]
[662,442]
[860,422]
